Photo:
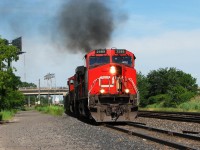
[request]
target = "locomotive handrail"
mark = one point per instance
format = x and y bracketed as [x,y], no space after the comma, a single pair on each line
[130,79]
[136,89]
[92,86]
[101,77]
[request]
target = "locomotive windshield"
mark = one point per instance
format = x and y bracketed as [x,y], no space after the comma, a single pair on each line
[98,60]
[122,60]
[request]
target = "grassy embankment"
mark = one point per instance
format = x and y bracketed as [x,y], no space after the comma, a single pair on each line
[53,110]
[7,114]
[192,106]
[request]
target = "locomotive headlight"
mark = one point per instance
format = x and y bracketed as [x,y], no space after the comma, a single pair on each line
[127,91]
[112,69]
[102,91]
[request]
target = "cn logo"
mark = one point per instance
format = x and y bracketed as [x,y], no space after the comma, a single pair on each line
[106,81]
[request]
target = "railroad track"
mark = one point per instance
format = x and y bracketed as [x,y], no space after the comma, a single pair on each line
[177,116]
[165,137]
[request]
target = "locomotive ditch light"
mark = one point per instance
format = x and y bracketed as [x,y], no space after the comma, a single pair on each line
[112,69]
[126,91]
[102,91]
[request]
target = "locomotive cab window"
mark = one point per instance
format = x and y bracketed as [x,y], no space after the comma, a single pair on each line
[99,60]
[122,60]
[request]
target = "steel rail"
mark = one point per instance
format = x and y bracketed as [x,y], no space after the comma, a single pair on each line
[197,138]
[157,140]
[172,118]
[166,112]
[176,116]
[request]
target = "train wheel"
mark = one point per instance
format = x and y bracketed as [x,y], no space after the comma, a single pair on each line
[80,107]
[76,109]
[65,104]
[71,109]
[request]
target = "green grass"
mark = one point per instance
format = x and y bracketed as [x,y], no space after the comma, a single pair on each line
[7,114]
[163,109]
[192,106]
[53,110]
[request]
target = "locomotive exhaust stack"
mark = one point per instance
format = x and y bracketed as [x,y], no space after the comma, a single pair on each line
[105,89]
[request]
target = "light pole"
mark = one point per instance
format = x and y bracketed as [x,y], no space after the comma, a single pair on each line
[39,92]
[48,77]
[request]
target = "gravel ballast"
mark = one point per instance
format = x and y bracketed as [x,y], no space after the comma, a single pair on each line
[32,130]
[177,126]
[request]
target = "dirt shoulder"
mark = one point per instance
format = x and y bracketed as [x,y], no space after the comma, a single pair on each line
[31,130]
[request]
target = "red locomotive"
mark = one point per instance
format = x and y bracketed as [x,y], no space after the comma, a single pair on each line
[105,89]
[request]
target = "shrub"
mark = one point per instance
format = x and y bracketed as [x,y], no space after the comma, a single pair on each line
[159,98]
[7,114]
[53,110]
[1,116]
[186,96]
[193,105]
[178,95]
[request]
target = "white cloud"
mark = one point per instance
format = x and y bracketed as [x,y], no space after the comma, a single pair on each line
[178,49]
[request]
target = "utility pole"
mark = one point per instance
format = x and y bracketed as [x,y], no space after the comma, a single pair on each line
[24,68]
[39,93]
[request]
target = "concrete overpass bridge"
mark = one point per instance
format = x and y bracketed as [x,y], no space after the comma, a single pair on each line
[37,92]
[44,91]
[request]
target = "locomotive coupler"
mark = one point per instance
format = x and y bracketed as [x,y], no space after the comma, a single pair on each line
[114,110]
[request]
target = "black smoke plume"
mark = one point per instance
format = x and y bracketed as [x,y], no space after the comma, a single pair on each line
[84,25]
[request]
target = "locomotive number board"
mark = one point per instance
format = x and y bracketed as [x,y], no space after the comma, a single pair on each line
[100,51]
[120,51]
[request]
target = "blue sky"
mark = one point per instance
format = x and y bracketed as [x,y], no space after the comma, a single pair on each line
[161,34]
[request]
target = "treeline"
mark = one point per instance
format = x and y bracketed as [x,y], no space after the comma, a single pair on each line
[167,87]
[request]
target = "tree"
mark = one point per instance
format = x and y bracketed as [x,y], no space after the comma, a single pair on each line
[9,82]
[167,85]
[8,53]
[178,95]
[143,87]
[163,80]
[27,85]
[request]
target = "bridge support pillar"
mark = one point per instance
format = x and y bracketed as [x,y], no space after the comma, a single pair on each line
[29,97]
